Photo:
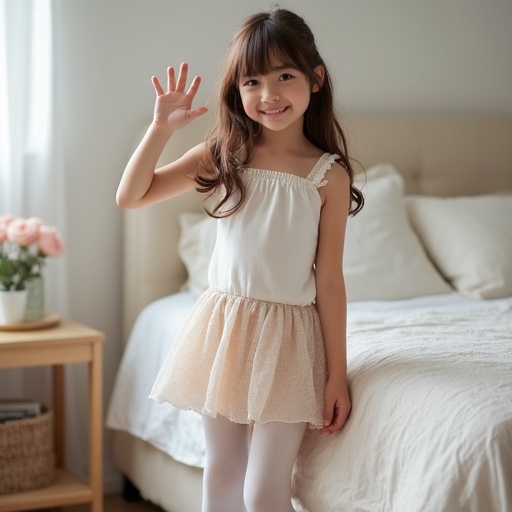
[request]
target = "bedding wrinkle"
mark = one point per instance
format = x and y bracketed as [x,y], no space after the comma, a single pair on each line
[432,413]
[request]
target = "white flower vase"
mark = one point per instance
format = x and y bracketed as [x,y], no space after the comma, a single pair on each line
[12,306]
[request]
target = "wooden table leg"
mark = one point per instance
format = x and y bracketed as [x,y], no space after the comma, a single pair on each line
[96,428]
[59,415]
[59,419]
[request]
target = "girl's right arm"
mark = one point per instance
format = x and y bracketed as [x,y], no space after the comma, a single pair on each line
[142,184]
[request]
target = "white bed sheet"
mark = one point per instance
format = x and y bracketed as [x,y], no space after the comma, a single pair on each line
[431,426]
[177,433]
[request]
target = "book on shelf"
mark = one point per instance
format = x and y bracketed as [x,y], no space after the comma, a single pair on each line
[19,410]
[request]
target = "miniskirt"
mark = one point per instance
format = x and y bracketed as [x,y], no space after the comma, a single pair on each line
[248,360]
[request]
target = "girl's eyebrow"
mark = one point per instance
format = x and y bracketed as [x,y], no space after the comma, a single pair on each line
[286,65]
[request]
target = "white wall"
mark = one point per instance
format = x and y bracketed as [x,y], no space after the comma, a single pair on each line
[386,56]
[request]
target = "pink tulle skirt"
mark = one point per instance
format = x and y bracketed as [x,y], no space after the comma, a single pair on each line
[247,360]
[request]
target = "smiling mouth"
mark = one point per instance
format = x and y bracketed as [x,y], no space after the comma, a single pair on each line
[274,112]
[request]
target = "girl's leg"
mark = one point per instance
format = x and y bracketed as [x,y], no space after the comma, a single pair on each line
[225,466]
[273,451]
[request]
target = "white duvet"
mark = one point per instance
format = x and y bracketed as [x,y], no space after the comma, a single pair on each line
[431,425]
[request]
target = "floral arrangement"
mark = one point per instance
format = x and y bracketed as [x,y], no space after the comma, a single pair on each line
[24,246]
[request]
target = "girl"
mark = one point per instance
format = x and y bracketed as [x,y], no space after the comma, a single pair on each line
[265,345]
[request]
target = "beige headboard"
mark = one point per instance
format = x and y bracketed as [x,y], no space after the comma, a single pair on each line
[437,155]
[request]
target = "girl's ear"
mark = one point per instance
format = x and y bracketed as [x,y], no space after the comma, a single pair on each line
[320,75]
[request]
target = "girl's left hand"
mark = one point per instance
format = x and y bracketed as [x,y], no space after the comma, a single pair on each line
[337,405]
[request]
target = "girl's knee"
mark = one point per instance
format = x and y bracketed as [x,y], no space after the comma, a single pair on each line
[220,480]
[255,501]
[265,499]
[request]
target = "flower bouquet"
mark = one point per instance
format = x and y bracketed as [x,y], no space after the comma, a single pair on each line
[24,246]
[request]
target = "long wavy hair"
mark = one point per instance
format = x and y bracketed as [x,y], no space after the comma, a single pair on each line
[279,34]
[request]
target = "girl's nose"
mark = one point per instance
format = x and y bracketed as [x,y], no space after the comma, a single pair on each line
[270,96]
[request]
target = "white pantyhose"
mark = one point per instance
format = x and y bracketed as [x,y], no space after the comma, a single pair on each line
[249,474]
[227,450]
[273,451]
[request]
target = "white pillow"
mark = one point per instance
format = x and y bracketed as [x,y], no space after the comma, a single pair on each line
[469,239]
[195,247]
[384,259]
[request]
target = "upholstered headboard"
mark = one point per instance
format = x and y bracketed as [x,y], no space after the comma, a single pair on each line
[436,155]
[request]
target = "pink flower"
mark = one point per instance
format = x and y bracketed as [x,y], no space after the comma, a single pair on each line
[23,231]
[35,221]
[3,234]
[49,241]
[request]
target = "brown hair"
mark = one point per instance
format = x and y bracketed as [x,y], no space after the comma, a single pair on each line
[284,35]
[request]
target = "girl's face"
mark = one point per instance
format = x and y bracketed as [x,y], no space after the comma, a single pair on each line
[277,99]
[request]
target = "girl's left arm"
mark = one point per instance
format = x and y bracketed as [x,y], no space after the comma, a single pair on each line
[331,300]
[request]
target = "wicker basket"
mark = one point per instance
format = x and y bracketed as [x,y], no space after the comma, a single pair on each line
[27,458]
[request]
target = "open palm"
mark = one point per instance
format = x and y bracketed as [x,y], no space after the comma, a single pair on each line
[173,109]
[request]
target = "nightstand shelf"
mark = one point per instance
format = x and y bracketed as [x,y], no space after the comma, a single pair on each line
[68,342]
[66,490]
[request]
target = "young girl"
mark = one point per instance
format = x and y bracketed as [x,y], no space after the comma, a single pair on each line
[265,345]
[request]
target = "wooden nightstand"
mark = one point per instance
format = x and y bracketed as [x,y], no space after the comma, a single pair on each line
[68,342]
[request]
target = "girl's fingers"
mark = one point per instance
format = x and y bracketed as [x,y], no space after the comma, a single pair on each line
[335,418]
[171,81]
[198,112]
[177,86]
[340,418]
[182,77]
[156,84]
[328,417]
[194,86]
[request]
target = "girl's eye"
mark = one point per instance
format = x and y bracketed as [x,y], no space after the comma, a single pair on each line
[251,83]
[285,76]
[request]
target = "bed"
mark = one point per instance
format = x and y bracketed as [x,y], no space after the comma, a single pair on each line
[428,268]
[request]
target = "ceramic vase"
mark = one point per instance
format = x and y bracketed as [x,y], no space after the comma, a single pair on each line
[35,299]
[12,306]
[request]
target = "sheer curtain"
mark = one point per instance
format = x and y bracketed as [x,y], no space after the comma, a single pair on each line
[31,173]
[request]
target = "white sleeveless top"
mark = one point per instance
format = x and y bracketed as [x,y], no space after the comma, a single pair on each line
[266,250]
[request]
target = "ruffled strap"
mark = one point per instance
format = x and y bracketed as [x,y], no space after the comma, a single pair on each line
[316,176]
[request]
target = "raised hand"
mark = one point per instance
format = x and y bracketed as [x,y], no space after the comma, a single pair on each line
[173,109]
